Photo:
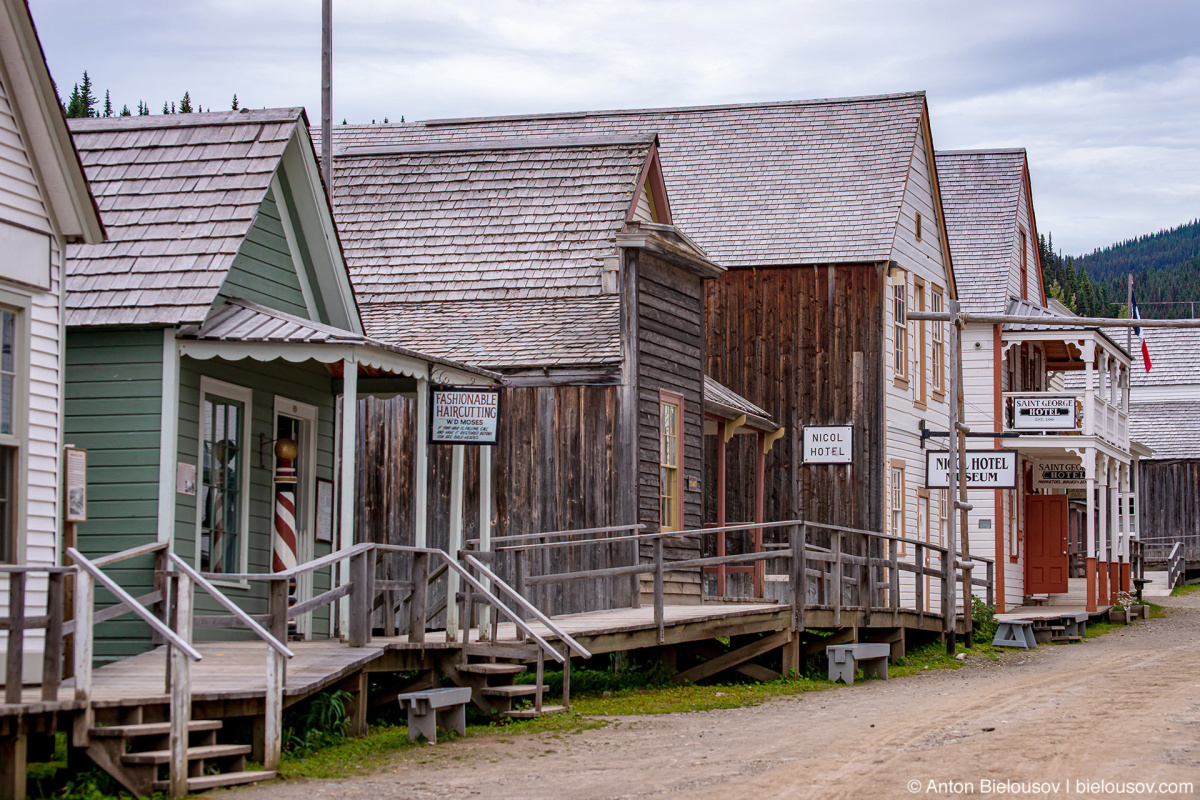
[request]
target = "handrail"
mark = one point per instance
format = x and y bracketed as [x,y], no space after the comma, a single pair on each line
[125,555]
[530,607]
[1175,565]
[231,607]
[154,622]
[524,536]
[300,569]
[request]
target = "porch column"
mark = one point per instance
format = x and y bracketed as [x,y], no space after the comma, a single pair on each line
[485,530]
[721,451]
[456,543]
[1102,537]
[346,509]
[760,476]
[1089,462]
[1126,550]
[421,468]
[1114,561]
[1089,390]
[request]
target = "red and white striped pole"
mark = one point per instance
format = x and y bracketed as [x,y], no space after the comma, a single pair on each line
[284,550]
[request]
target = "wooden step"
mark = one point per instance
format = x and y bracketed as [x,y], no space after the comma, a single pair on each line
[152,728]
[193,754]
[492,669]
[515,690]
[530,713]
[217,781]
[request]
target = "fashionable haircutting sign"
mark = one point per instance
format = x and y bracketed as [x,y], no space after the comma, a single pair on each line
[463,416]
[982,469]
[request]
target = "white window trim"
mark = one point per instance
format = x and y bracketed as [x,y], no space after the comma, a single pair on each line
[244,396]
[20,305]
[900,365]
[306,547]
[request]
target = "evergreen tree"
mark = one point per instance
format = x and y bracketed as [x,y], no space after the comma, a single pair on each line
[74,108]
[235,102]
[343,120]
[108,109]
[165,109]
[86,97]
[401,119]
[185,105]
[385,122]
[143,109]
[173,107]
[125,111]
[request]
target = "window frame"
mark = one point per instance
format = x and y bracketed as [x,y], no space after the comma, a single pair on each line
[898,465]
[920,391]
[937,377]
[244,395]
[675,399]
[918,226]
[19,306]
[899,302]
[1023,238]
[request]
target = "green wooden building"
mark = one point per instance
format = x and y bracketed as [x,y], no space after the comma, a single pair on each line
[217,321]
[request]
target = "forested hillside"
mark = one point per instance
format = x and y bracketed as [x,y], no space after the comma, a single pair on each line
[1165,265]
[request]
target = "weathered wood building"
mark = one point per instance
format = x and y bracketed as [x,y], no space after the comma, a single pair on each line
[827,218]
[1164,415]
[44,204]
[554,262]
[217,321]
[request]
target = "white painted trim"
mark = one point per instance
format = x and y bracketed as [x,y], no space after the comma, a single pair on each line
[456,539]
[346,479]
[485,530]
[297,352]
[294,248]
[21,305]
[168,442]
[245,396]
[306,502]
[421,470]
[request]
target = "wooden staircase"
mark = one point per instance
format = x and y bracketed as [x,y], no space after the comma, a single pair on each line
[134,748]
[491,672]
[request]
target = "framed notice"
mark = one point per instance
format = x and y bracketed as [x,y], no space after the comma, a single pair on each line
[324,510]
[1045,413]
[464,415]
[983,469]
[1059,474]
[185,478]
[76,484]
[828,444]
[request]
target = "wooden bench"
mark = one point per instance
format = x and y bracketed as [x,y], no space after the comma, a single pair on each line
[844,658]
[436,708]
[1015,633]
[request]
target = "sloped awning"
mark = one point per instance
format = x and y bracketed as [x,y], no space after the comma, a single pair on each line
[722,403]
[241,329]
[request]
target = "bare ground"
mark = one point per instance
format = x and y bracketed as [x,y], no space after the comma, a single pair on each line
[1122,708]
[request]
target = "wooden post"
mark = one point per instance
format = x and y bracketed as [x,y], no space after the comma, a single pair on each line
[949,605]
[760,477]
[421,467]
[721,519]
[919,595]
[273,710]
[69,540]
[181,689]
[541,671]
[14,754]
[566,696]
[420,597]
[799,577]
[277,607]
[485,534]
[522,566]
[658,589]
[837,577]
[346,510]
[361,599]
[84,588]
[1089,463]
[453,581]
[894,581]
[327,98]
[957,401]
[52,653]
[16,638]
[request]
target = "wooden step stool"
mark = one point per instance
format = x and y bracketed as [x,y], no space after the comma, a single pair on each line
[844,657]
[436,708]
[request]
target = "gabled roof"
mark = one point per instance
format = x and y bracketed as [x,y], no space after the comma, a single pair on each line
[32,92]
[494,252]
[981,190]
[1171,429]
[806,182]
[178,194]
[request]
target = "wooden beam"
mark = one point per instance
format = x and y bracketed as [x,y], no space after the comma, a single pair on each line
[733,659]
[770,439]
[731,426]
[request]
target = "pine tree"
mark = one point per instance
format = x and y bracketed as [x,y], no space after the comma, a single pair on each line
[385,122]
[185,105]
[86,97]
[75,108]
[235,102]
[108,109]
[143,109]
[173,107]
[343,120]
[401,119]
[125,111]
[165,109]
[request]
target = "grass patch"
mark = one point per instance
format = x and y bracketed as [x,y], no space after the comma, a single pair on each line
[1187,588]
[691,697]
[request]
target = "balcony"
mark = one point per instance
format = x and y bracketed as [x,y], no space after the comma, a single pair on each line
[1066,413]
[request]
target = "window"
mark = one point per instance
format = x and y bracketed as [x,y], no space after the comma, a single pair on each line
[919,304]
[8,371]
[670,407]
[1024,266]
[8,504]
[900,325]
[897,504]
[12,425]
[938,354]
[918,226]
[224,473]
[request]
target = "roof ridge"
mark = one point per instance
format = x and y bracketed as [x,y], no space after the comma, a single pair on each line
[189,120]
[511,143]
[997,151]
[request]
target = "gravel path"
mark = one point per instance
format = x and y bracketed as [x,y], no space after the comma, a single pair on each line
[1123,708]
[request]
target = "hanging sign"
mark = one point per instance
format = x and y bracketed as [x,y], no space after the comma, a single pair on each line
[463,415]
[76,488]
[984,469]
[1059,475]
[1044,413]
[828,444]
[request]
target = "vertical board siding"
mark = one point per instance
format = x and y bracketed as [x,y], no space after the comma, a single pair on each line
[263,270]
[1169,506]
[113,409]
[671,357]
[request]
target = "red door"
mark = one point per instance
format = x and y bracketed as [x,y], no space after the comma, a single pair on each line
[1046,560]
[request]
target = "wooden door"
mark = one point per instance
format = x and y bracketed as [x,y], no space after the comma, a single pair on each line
[1046,560]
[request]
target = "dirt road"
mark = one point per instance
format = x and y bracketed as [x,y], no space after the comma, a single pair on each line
[1121,709]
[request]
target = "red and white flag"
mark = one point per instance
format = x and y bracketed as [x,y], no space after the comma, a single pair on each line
[1141,336]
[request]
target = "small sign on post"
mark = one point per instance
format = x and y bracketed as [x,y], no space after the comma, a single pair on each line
[983,469]
[828,444]
[76,486]
[464,415]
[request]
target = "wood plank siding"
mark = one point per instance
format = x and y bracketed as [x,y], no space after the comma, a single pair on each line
[802,343]
[1169,506]
[263,270]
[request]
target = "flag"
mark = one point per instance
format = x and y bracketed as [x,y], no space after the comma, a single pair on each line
[1137,331]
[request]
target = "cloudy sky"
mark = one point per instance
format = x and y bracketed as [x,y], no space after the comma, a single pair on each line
[1104,95]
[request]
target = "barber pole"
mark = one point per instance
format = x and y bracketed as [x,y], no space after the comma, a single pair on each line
[284,555]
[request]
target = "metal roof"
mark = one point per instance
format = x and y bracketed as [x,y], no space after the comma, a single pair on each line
[177,194]
[760,184]
[723,402]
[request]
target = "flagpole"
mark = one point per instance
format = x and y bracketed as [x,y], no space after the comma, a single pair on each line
[1129,306]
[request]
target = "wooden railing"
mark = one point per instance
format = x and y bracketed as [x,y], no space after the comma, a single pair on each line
[16,623]
[1176,566]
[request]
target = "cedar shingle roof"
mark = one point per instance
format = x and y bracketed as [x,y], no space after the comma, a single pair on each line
[980,193]
[1171,429]
[1174,357]
[490,253]
[177,195]
[760,184]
